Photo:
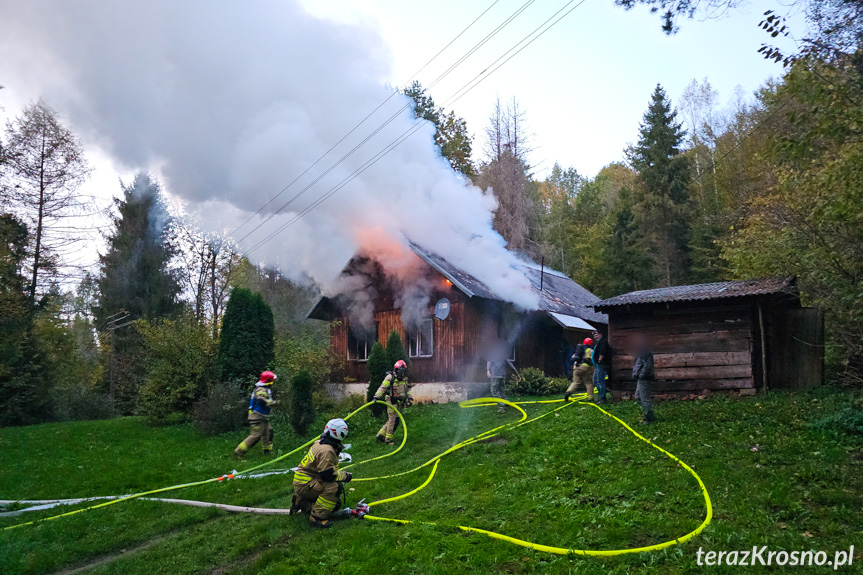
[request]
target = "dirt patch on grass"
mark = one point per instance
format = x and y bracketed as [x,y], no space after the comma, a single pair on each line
[108,558]
[495,440]
[249,559]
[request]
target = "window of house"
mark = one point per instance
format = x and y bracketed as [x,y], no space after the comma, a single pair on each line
[360,346]
[421,339]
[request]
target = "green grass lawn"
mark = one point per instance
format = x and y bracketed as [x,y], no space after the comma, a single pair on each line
[577,480]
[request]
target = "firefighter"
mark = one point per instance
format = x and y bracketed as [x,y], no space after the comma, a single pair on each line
[582,369]
[259,416]
[394,390]
[318,481]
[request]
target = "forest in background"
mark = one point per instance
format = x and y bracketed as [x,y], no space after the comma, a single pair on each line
[713,189]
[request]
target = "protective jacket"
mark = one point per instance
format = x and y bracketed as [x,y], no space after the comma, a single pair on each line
[260,403]
[321,462]
[394,388]
[643,367]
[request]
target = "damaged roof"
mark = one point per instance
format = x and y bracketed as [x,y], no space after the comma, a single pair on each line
[701,292]
[559,294]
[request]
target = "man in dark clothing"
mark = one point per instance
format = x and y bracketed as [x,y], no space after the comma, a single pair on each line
[602,360]
[496,371]
[643,372]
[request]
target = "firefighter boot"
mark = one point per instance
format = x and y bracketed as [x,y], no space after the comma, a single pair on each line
[320,523]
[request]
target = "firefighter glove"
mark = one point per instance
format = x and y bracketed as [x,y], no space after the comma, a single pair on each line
[348,476]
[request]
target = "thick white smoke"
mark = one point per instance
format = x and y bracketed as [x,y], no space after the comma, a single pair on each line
[228,102]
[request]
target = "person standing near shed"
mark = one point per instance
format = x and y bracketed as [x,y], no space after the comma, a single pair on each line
[394,390]
[602,362]
[259,416]
[643,372]
[582,369]
[496,371]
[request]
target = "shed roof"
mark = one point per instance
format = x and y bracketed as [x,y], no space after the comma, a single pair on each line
[701,292]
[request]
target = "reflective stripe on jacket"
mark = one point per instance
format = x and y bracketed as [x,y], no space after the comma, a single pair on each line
[260,402]
[322,461]
[398,389]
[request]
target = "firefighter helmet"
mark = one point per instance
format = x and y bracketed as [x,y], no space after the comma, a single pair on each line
[400,364]
[587,341]
[268,377]
[337,429]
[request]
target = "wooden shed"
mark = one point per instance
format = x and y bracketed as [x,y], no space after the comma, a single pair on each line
[738,336]
[449,350]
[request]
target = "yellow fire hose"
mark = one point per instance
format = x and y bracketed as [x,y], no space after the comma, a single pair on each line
[482,402]
[212,479]
[547,548]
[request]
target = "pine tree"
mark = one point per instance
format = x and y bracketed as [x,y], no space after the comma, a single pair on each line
[135,280]
[662,208]
[377,366]
[396,350]
[246,345]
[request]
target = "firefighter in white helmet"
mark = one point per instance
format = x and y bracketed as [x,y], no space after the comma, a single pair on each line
[395,390]
[259,416]
[318,481]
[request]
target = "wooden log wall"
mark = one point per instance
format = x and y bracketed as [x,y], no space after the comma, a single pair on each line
[695,347]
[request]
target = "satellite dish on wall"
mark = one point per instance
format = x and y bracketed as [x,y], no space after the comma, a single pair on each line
[441,309]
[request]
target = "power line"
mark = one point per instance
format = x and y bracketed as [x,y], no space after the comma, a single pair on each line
[413,129]
[361,122]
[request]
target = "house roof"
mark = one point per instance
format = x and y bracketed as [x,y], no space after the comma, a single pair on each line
[559,295]
[701,292]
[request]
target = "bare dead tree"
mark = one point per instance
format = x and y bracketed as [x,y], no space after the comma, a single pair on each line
[206,264]
[44,165]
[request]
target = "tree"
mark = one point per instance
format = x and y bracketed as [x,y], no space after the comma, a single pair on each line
[180,365]
[807,218]
[661,209]
[377,365]
[246,346]
[302,406]
[395,351]
[17,390]
[135,282]
[46,164]
[206,266]
[135,275]
[451,134]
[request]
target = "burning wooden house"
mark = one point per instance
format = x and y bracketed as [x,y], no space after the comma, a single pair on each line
[732,336]
[447,353]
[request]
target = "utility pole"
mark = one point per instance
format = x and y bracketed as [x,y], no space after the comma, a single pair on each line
[113,323]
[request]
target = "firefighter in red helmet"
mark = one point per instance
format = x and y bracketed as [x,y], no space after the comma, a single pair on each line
[259,416]
[582,369]
[394,390]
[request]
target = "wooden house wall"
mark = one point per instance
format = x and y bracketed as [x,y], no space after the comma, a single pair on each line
[695,347]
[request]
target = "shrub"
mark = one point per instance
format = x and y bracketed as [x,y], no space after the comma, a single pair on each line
[224,409]
[80,404]
[557,385]
[302,403]
[532,381]
[305,350]
[246,340]
[848,421]
[179,360]
[377,365]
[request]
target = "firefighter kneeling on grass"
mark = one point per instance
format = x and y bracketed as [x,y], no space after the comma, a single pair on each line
[395,390]
[259,416]
[318,479]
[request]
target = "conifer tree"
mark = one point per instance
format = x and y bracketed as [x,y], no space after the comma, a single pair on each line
[246,345]
[134,279]
[662,207]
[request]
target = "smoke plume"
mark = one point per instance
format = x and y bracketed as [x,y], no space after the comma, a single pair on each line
[228,102]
